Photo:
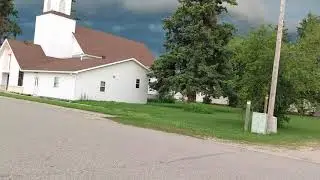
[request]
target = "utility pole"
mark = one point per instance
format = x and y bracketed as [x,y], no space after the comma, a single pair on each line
[273,90]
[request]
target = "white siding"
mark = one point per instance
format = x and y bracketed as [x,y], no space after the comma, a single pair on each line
[55,35]
[76,49]
[222,100]
[120,83]
[45,85]
[9,64]
[199,97]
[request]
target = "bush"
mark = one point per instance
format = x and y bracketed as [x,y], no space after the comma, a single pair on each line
[207,100]
[192,107]
[162,100]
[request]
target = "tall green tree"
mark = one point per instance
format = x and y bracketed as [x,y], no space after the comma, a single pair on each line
[74,14]
[196,58]
[9,27]
[303,69]
[299,72]
[307,21]
[252,66]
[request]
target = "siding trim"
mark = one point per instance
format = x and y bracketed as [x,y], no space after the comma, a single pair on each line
[6,41]
[89,69]
[105,65]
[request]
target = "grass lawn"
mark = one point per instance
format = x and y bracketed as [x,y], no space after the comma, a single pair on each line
[195,120]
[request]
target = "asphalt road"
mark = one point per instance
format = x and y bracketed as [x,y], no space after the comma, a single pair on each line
[39,141]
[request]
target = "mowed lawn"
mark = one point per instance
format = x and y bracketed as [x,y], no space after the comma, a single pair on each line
[209,121]
[196,120]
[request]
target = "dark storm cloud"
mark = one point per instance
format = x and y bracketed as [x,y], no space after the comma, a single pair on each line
[141,19]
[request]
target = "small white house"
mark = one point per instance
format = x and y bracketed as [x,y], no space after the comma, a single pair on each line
[152,94]
[70,62]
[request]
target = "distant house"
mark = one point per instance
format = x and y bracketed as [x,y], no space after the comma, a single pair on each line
[152,94]
[67,61]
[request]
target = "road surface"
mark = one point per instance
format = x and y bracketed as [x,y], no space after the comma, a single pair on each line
[39,141]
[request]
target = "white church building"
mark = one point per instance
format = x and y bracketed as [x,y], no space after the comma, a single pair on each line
[67,61]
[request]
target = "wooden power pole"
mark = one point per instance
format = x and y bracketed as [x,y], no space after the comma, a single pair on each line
[273,90]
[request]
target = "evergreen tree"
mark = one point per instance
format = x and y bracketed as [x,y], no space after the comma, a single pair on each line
[9,27]
[74,11]
[307,21]
[196,58]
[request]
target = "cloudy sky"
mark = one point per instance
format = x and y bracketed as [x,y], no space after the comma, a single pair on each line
[141,19]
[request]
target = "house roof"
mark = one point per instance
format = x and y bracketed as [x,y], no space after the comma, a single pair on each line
[112,48]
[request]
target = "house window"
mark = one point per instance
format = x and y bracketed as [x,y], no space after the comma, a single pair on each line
[137,83]
[20,80]
[102,86]
[56,82]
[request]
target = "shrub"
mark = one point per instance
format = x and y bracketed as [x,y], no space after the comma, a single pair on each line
[207,100]
[162,100]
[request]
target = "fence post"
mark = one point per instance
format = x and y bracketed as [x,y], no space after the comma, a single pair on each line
[247,119]
[266,100]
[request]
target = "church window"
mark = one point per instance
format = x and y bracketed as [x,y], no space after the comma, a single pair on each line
[20,79]
[102,86]
[56,82]
[137,83]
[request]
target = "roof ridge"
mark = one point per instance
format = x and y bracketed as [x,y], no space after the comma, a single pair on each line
[110,34]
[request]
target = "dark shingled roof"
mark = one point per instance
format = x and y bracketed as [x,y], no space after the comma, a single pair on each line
[112,48]
[27,54]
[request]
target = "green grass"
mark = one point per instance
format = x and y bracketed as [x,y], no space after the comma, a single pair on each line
[196,120]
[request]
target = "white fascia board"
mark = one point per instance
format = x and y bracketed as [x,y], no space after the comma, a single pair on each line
[93,56]
[45,71]
[6,41]
[89,69]
[111,64]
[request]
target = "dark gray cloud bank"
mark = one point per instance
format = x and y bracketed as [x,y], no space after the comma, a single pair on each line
[141,19]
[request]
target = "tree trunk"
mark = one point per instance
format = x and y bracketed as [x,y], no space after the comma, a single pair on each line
[192,97]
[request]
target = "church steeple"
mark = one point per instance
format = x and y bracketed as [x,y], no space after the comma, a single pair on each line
[62,6]
[54,29]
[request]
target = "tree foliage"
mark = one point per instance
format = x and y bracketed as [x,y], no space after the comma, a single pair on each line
[74,10]
[299,72]
[303,69]
[196,58]
[307,21]
[8,20]
[252,66]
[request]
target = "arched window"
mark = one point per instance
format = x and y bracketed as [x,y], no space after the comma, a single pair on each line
[48,5]
[62,6]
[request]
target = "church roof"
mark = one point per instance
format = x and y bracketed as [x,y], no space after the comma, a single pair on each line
[58,14]
[27,54]
[112,48]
